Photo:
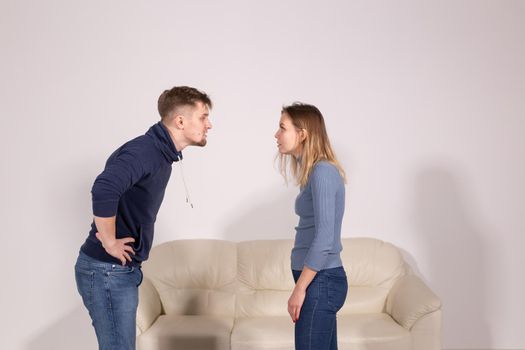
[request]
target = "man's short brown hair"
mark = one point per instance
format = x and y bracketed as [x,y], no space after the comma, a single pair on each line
[180,96]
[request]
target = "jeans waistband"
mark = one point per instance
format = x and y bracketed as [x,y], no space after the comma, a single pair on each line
[95,262]
[323,270]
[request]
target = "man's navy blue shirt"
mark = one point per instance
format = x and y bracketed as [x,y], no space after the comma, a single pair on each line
[132,187]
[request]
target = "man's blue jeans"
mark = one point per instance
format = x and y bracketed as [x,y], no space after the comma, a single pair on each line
[316,328]
[110,294]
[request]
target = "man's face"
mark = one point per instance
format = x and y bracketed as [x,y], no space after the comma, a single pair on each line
[197,124]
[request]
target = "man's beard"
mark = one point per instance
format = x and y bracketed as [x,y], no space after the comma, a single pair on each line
[200,143]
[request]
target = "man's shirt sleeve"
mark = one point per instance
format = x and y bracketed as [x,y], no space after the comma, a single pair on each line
[121,173]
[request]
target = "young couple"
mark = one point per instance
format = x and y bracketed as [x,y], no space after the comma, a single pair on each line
[128,193]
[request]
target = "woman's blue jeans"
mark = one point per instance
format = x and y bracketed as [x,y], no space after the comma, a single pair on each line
[110,294]
[316,328]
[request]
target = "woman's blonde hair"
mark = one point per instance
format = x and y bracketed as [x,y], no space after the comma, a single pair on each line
[315,146]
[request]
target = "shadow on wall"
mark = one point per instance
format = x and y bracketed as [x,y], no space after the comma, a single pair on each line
[74,331]
[268,216]
[456,255]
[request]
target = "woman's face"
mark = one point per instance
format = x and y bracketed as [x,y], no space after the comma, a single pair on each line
[288,137]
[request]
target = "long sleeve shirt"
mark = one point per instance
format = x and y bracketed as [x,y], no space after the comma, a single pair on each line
[132,187]
[320,206]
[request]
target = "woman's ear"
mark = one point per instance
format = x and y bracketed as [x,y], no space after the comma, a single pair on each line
[303,134]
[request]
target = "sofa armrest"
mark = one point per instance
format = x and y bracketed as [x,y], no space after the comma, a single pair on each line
[409,300]
[149,307]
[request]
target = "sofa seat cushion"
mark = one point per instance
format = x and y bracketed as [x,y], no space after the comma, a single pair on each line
[374,331]
[267,332]
[377,331]
[174,332]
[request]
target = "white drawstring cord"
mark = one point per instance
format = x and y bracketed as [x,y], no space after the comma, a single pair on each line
[188,199]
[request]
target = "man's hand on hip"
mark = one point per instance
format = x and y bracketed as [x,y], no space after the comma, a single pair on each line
[117,247]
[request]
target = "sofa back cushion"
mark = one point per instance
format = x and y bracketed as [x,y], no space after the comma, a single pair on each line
[372,267]
[194,277]
[265,279]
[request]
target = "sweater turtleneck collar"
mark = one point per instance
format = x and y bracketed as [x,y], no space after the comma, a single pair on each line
[164,143]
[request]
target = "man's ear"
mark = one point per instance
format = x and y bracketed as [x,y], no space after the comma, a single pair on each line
[178,121]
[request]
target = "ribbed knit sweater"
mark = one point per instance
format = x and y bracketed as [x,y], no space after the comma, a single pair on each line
[320,206]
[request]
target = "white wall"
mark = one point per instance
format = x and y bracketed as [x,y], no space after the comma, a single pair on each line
[424,102]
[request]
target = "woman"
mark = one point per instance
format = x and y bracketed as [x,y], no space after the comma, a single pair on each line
[320,279]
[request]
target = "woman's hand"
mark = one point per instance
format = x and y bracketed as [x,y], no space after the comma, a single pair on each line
[296,302]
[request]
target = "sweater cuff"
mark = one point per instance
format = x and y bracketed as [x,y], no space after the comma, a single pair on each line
[311,267]
[105,209]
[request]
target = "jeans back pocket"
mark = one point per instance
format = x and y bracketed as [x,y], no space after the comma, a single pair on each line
[337,285]
[85,280]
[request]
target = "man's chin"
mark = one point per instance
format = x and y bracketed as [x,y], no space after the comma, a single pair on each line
[200,143]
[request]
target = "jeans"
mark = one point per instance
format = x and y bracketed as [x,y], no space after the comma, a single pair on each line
[110,294]
[316,328]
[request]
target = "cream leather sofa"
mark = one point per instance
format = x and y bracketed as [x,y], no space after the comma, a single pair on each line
[212,294]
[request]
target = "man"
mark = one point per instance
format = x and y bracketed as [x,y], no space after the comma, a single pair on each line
[126,199]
